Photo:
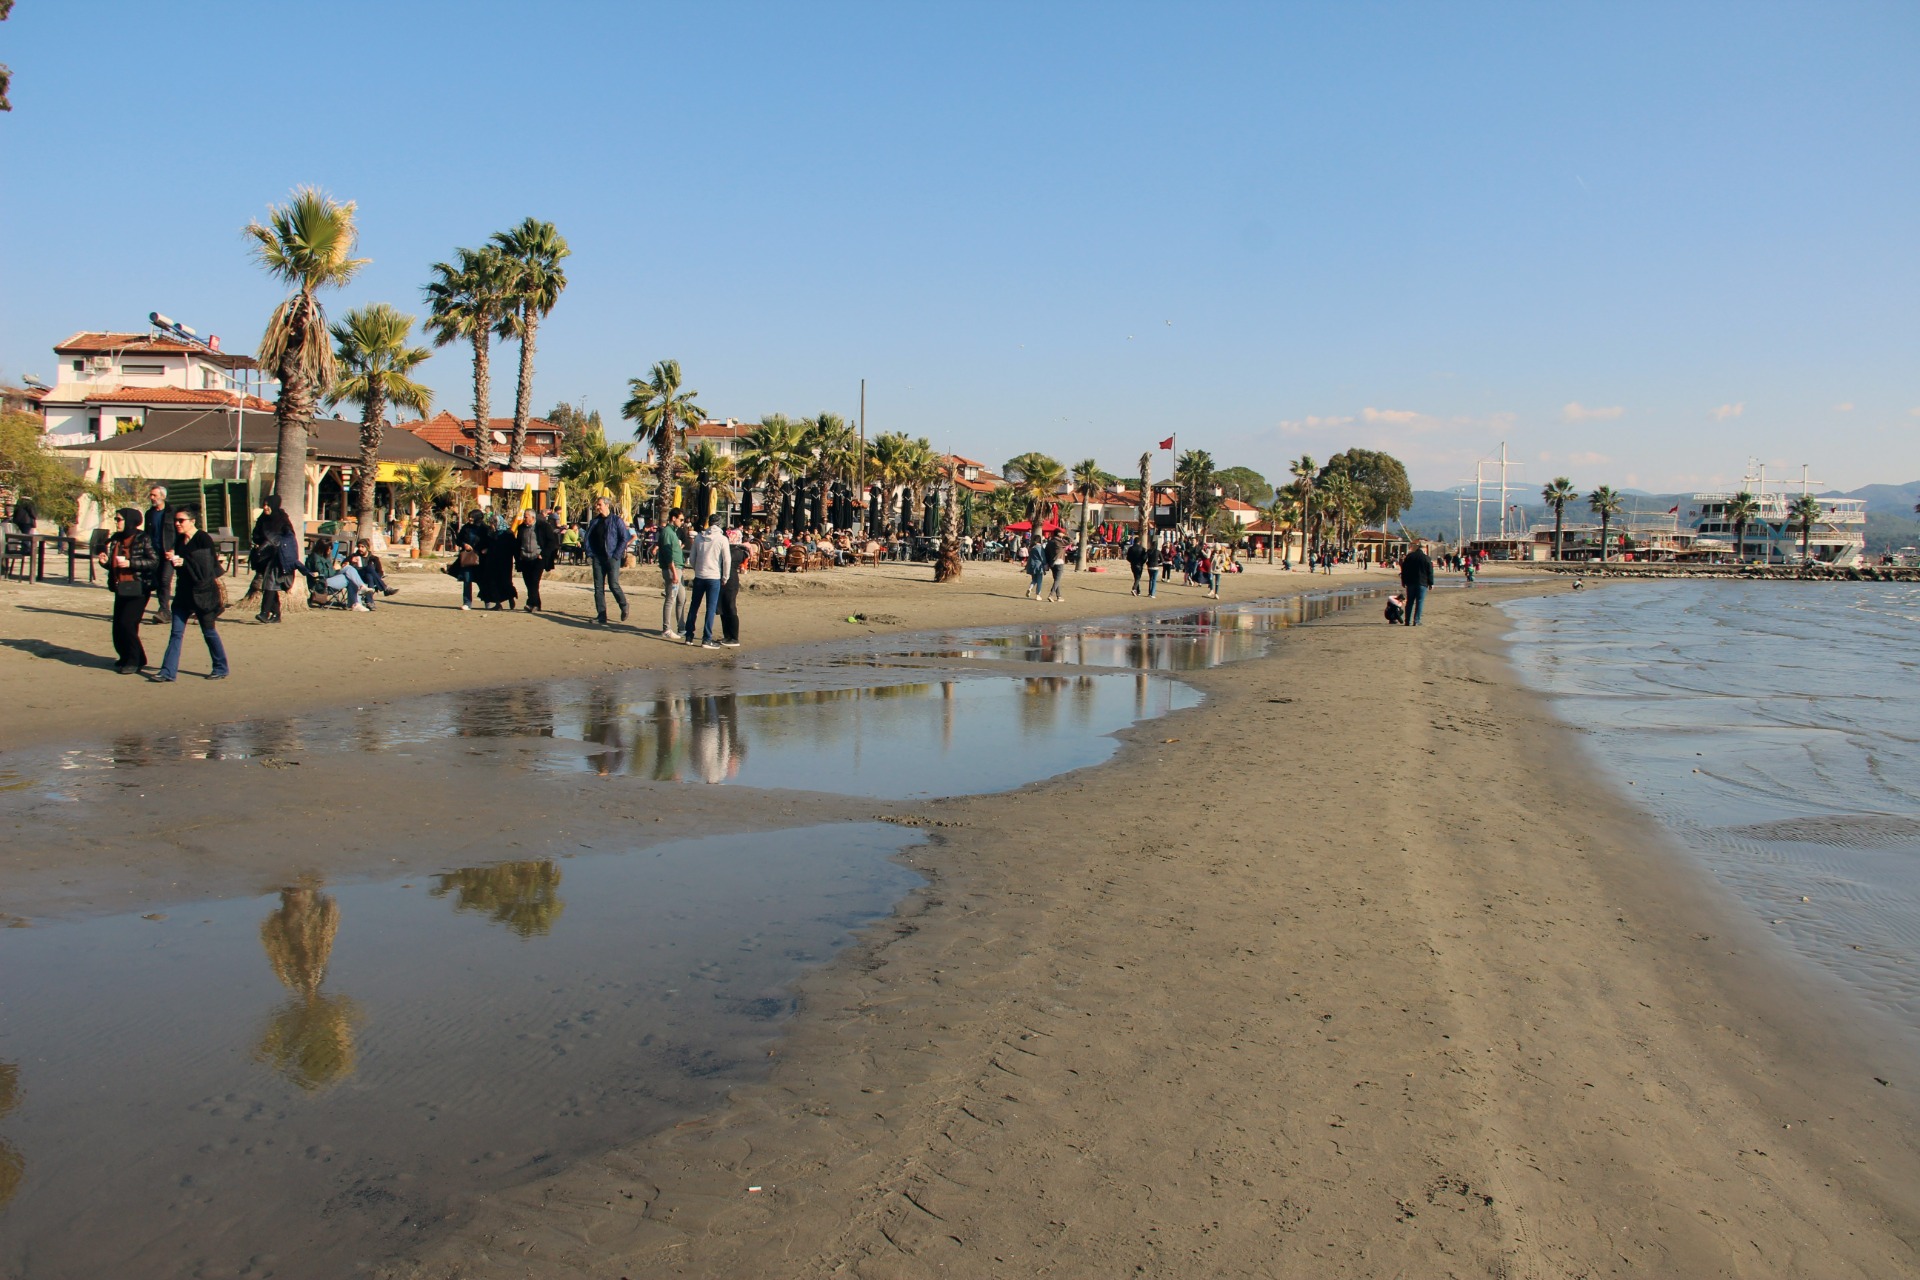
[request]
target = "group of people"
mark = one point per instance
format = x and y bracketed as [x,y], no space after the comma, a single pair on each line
[699,573]
[488,551]
[1206,564]
[162,556]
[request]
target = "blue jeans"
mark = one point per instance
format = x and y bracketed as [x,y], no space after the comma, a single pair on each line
[707,589]
[1416,596]
[170,665]
[466,585]
[349,578]
[1153,581]
[606,577]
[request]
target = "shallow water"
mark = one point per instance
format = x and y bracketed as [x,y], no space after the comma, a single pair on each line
[305,1082]
[1773,727]
[299,1083]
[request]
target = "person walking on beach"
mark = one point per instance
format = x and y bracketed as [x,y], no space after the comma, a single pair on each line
[160,535]
[1057,562]
[709,558]
[1036,567]
[129,561]
[730,590]
[275,556]
[607,541]
[1416,575]
[673,574]
[1137,561]
[536,548]
[468,546]
[198,567]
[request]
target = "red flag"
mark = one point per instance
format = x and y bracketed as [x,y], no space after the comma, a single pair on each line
[1167,443]
[1673,510]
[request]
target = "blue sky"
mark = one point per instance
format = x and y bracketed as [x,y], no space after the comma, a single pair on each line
[1639,243]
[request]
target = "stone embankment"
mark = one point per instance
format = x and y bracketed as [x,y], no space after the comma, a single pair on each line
[1742,572]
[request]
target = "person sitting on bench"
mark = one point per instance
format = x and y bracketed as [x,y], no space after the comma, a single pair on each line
[327,574]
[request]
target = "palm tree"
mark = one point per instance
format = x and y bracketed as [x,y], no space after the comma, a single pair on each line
[923,470]
[374,358]
[595,466]
[1146,493]
[711,470]
[947,567]
[1303,472]
[1281,513]
[889,461]
[1557,495]
[1038,478]
[307,244]
[661,413]
[1003,507]
[534,251]
[765,455]
[1088,480]
[1194,471]
[423,487]
[829,449]
[1606,504]
[1803,511]
[1337,501]
[470,299]
[1741,510]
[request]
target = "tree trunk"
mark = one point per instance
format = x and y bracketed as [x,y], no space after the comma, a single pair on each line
[293,413]
[948,567]
[1559,514]
[1146,497]
[663,473]
[523,403]
[372,424]
[482,401]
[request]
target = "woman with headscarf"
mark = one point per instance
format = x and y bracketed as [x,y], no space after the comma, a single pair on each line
[129,561]
[273,545]
[494,578]
[468,546]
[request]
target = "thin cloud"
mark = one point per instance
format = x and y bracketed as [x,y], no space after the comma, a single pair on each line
[1845,406]
[1574,411]
[1726,411]
[1588,459]
[1311,423]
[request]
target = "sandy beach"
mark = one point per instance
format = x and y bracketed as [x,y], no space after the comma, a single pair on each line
[1355,970]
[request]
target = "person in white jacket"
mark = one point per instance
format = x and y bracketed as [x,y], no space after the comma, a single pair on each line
[709,571]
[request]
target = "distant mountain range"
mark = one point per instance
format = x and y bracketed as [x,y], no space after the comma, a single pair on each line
[1890,515]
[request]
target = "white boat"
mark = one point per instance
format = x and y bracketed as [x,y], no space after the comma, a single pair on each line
[1838,537]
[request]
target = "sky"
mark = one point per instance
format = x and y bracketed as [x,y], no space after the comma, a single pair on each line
[1639,244]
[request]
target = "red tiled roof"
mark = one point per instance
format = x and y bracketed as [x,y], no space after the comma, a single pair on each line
[1234,504]
[718,430]
[91,343]
[444,431]
[173,395]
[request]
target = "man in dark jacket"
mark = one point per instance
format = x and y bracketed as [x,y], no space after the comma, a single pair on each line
[607,540]
[200,570]
[1137,561]
[1416,575]
[160,532]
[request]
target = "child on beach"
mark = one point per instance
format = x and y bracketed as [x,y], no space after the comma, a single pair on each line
[1396,609]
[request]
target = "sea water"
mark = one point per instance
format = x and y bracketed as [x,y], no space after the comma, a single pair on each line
[1774,727]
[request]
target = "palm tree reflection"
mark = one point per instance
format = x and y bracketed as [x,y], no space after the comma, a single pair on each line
[308,1039]
[524,896]
[13,1169]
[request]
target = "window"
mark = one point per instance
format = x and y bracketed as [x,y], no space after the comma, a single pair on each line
[123,425]
[209,379]
[151,370]
[79,366]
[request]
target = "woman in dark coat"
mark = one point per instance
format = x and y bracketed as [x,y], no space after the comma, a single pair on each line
[495,582]
[474,536]
[130,563]
[196,597]
[271,532]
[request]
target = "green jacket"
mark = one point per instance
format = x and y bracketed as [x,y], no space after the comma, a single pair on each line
[673,551]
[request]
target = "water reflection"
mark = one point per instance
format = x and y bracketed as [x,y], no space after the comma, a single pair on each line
[523,896]
[309,1038]
[13,1168]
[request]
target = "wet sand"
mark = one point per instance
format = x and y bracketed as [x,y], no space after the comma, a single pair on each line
[1356,970]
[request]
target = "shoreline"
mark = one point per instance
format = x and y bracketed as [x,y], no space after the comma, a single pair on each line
[1441,996]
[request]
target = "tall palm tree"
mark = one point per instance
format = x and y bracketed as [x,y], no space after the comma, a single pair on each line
[1281,513]
[889,462]
[1741,511]
[766,454]
[1004,507]
[1557,495]
[1303,471]
[1803,511]
[1194,471]
[469,299]
[534,251]
[370,346]
[1605,503]
[947,567]
[661,413]
[1337,499]
[1088,480]
[306,244]
[830,450]
[1038,479]
[923,471]
[1146,493]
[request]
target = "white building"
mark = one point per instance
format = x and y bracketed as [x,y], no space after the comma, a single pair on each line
[108,382]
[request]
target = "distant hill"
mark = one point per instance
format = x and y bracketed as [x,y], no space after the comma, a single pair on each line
[1890,516]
